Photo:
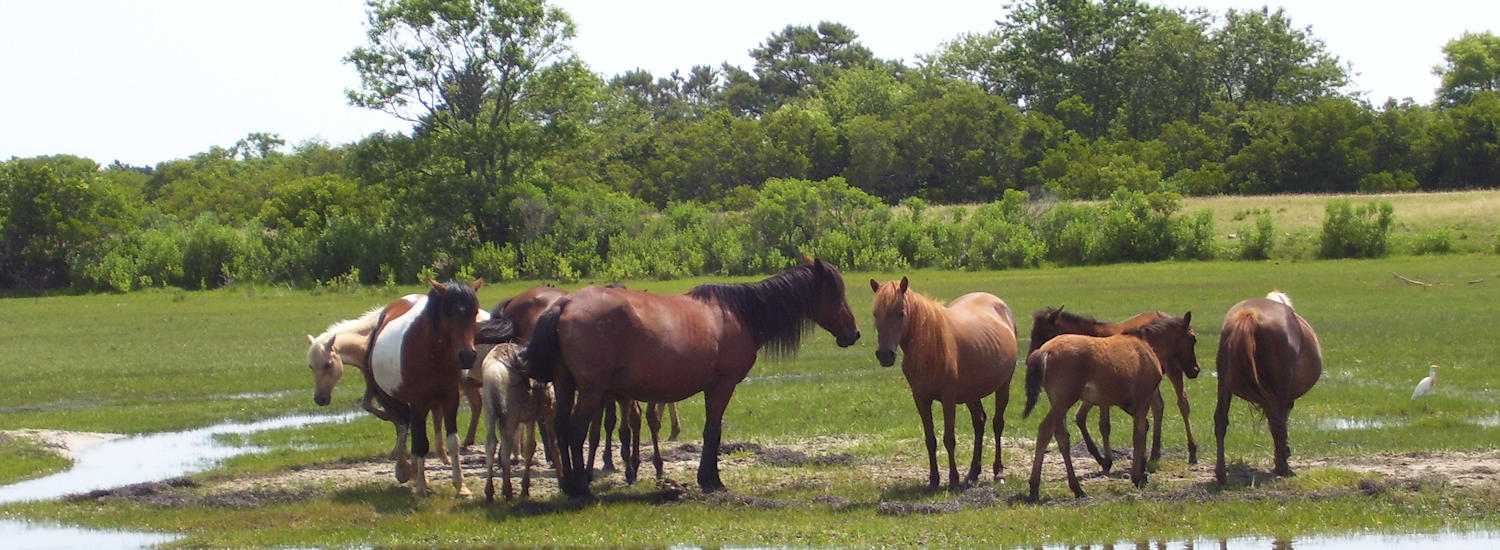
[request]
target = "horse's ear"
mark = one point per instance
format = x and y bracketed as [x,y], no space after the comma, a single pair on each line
[477,283]
[311,340]
[874,287]
[435,284]
[806,260]
[1187,319]
[904,284]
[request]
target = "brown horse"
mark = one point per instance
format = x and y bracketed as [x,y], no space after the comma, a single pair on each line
[347,343]
[666,348]
[514,319]
[1123,371]
[417,355]
[1048,323]
[1269,356]
[956,354]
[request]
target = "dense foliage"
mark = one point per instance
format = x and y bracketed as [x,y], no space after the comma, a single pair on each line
[521,162]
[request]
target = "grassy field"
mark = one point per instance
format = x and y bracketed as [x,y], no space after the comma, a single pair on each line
[168,360]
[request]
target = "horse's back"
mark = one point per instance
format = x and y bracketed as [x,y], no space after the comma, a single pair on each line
[651,347]
[985,331]
[1107,370]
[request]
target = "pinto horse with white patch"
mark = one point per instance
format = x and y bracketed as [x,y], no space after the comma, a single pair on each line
[417,355]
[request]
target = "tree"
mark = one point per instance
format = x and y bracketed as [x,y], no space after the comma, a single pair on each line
[1471,63]
[491,80]
[1261,57]
[50,208]
[800,59]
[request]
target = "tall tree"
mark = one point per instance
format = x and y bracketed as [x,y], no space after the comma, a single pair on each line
[799,58]
[493,81]
[1261,57]
[1471,63]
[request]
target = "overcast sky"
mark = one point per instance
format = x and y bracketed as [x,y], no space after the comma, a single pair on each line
[145,81]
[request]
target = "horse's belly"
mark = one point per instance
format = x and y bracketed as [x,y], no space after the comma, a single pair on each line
[385,359]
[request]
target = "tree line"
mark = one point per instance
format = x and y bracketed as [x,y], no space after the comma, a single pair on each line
[521,161]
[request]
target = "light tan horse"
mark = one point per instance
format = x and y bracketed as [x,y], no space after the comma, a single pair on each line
[1269,356]
[345,343]
[1123,371]
[514,405]
[955,354]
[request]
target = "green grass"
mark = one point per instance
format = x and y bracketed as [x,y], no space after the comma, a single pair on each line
[167,360]
[25,459]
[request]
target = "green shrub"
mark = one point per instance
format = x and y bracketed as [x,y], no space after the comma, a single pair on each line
[1350,232]
[1257,244]
[1437,241]
[494,263]
[1195,236]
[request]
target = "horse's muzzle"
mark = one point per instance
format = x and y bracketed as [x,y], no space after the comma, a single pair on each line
[846,341]
[1192,374]
[466,357]
[886,357]
[322,399]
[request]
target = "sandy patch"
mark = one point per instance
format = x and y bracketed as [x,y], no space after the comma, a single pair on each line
[64,443]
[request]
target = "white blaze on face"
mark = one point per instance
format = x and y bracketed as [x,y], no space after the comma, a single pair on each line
[386,357]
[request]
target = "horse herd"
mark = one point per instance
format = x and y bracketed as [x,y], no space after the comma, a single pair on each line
[553,362]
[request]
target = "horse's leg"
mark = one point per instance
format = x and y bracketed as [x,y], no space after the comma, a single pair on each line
[1108,451]
[924,410]
[368,404]
[476,406]
[630,439]
[528,452]
[715,400]
[569,460]
[610,420]
[586,408]
[594,445]
[1081,419]
[976,416]
[950,440]
[437,431]
[450,419]
[1002,399]
[1157,407]
[1066,449]
[1277,418]
[401,418]
[1221,425]
[653,421]
[1044,433]
[1182,406]
[1138,467]
[419,448]
[676,424]
[491,447]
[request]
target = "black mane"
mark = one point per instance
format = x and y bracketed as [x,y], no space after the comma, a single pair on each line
[778,309]
[438,301]
[1156,327]
[1064,315]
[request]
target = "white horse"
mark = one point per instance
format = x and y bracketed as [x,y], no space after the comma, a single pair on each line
[513,404]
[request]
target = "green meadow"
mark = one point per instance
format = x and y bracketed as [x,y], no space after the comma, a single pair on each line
[166,360]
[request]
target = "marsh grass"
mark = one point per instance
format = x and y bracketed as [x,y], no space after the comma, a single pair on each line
[25,459]
[158,361]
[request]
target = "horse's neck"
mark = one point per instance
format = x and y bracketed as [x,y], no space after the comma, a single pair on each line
[927,331]
[352,344]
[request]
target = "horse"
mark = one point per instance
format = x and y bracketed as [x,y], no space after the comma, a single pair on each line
[1123,371]
[346,343]
[514,319]
[1269,356]
[955,354]
[665,348]
[1048,323]
[417,353]
[514,404]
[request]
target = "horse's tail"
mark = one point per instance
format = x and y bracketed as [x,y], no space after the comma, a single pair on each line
[1036,366]
[1239,346]
[496,330]
[544,350]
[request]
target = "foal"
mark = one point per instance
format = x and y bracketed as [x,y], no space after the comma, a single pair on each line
[1123,371]
[957,354]
[514,405]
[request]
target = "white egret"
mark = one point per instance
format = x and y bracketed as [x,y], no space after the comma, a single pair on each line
[1425,385]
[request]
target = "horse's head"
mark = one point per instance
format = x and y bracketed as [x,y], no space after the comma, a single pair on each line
[890,318]
[832,310]
[327,367]
[1174,343]
[1047,323]
[454,311]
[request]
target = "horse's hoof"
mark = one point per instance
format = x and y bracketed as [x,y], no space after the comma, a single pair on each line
[403,472]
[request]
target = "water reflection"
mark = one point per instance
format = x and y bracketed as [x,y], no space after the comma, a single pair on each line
[1417,541]
[143,458]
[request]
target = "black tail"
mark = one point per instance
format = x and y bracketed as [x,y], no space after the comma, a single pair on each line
[1036,365]
[495,330]
[544,349]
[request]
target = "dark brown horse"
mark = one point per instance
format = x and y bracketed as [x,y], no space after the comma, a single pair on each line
[1048,323]
[417,355]
[1269,356]
[1123,371]
[955,354]
[666,348]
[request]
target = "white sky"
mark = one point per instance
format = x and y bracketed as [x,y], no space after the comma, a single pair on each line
[145,81]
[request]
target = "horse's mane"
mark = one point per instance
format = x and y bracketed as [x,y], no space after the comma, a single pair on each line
[778,309]
[1158,326]
[1064,315]
[363,323]
[435,300]
[924,317]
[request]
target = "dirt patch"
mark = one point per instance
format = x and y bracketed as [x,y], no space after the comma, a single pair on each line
[67,444]
[903,479]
